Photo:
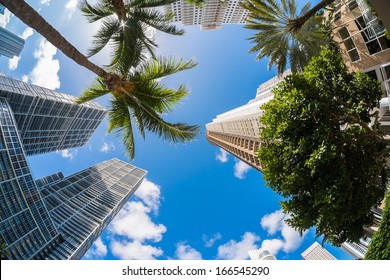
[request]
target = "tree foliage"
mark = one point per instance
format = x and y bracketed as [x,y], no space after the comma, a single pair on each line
[379,248]
[320,151]
[274,39]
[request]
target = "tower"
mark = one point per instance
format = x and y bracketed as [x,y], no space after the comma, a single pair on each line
[261,255]
[10,44]
[237,131]
[48,120]
[55,217]
[211,15]
[317,252]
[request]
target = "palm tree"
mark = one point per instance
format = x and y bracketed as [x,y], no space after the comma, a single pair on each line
[151,98]
[142,99]
[274,39]
[297,23]
[125,25]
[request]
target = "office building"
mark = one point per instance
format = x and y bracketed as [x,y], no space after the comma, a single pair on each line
[26,226]
[83,204]
[55,217]
[237,131]
[48,120]
[316,252]
[357,250]
[364,47]
[2,9]
[261,255]
[211,15]
[10,44]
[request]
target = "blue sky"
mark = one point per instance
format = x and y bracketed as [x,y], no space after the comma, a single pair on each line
[197,201]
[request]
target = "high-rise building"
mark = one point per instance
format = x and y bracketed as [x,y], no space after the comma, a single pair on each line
[211,15]
[55,217]
[364,47]
[317,252]
[83,204]
[10,44]
[25,226]
[260,255]
[48,120]
[237,131]
[357,250]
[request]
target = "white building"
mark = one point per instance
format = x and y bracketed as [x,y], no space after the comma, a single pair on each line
[260,255]
[237,131]
[317,252]
[211,15]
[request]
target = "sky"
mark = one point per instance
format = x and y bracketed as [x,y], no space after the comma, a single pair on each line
[197,201]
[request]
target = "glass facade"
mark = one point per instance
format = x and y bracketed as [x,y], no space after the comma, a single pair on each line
[83,204]
[26,226]
[48,120]
[10,44]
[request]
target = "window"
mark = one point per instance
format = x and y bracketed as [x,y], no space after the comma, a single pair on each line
[349,44]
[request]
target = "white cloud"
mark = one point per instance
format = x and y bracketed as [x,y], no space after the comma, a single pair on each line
[97,250]
[28,32]
[70,154]
[4,19]
[222,156]
[186,252]
[25,78]
[134,250]
[209,241]
[234,250]
[134,222]
[71,7]
[275,222]
[240,169]
[13,62]
[45,72]
[45,2]
[107,147]
[150,194]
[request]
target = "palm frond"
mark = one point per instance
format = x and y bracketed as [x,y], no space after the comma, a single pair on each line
[162,67]
[119,121]
[97,89]
[97,11]
[107,30]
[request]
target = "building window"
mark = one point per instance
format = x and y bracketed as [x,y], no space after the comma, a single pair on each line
[349,44]
[373,33]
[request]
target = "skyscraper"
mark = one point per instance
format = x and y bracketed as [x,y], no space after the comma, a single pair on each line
[25,226]
[237,131]
[261,255]
[83,204]
[10,44]
[48,120]
[53,217]
[211,15]
[316,252]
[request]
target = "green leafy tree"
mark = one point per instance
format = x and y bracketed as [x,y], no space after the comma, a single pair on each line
[379,248]
[320,151]
[121,83]
[124,26]
[274,40]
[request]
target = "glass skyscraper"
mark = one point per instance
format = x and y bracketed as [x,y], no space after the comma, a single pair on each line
[55,217]
[10,44]
[48,120]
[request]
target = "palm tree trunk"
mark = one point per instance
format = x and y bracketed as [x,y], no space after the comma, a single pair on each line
[297,23]
[31,18]
[120,9]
